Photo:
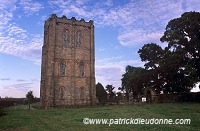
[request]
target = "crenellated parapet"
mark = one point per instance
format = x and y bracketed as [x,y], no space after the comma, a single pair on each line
[65,20]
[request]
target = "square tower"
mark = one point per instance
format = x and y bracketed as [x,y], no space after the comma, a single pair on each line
[67,72]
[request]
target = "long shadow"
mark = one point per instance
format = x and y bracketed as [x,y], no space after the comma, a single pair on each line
[2,112]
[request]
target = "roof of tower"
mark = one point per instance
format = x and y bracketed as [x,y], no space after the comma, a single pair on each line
[73,20]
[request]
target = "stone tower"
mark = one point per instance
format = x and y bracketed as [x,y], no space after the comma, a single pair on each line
[67,72]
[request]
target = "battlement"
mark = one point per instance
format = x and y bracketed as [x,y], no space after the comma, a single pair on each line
[65,20]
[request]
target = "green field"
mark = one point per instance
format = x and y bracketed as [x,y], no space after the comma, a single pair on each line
[20,118]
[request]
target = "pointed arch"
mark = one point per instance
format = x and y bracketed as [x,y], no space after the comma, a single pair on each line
[62,69]
[66,38]
[82,69]
[82,93]
[61,94]
[78,38]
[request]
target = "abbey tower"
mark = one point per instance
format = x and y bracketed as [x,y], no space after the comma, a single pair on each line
[67,72]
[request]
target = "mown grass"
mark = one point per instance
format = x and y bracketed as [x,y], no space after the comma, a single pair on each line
[20,118]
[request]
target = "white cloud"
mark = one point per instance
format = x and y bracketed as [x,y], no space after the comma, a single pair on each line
[108,3]
[15,31]
[19,43]
[15,40]
[191,5]
[79,11]
[29,7]
[138,37]
[109,75]
[105,60]
[6,8]
[111,72]
[100,49]
[81,2]
[134,19]
[5,4]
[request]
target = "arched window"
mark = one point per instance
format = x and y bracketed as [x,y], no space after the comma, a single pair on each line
[67,39]
[82,69]
[62,92]
[62,68]
[82,93]
[78,39]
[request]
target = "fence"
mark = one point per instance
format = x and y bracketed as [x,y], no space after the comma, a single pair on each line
[6,102]
[159,98]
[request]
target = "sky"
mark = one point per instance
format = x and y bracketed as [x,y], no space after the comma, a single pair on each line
[122,27]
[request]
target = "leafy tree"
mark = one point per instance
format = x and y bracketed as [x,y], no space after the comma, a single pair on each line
[165,69]
[133,80]
[173,73]
[183,36]
[100,92]
[109,89]
[30,98]
[151,54]
[175,68]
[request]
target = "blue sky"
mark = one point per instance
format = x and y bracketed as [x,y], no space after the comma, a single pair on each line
[122,27]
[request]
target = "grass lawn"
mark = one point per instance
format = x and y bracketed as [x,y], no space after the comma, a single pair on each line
[20,118]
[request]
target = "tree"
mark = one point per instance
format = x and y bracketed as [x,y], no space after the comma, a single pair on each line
[177,67]
[151,54]
[164,69]
[183,36]
[133,80]
[109,89]
[100,92]
[30,98]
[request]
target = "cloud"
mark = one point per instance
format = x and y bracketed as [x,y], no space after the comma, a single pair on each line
[5,79]
[29,7]
[18,42]
[135,37]
[20,80]
[109,75]
[100,49]
[108,3]
[30,51]
[191,5]
[19,86]
[15,31]
[111,72]
[35,80]
[7,7]
[105,60]
[15,40]
[138,22]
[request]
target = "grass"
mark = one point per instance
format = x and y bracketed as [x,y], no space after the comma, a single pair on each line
[20,118]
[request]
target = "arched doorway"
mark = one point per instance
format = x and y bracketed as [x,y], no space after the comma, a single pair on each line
[149,97]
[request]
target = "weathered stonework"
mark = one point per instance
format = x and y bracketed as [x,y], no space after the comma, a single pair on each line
[67,72]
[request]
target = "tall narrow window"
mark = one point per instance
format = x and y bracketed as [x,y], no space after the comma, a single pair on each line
[66,39]
[62,68]
[82,93]
[61,92]
[82,71]
[78,39]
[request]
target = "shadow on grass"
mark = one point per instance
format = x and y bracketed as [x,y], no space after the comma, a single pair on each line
[2,112]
